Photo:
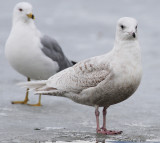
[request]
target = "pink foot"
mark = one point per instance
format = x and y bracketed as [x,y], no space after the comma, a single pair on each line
[108,132]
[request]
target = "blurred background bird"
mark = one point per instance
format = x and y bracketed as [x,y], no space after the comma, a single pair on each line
[31,53]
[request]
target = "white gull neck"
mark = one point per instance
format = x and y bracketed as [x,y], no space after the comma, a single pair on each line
[129,49]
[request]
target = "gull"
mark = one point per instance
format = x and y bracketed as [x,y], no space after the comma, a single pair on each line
[100,81]
[31,53]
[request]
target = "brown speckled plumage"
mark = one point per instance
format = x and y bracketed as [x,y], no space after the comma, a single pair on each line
[103,80]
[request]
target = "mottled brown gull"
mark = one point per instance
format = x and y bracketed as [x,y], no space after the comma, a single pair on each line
[101,81]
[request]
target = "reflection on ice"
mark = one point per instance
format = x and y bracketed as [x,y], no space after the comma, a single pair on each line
[3,114]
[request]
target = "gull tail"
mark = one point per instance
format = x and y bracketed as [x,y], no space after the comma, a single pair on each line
[40,87]
[33,84]
[50,92]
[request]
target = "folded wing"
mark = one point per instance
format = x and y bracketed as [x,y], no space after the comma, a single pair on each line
[83,75]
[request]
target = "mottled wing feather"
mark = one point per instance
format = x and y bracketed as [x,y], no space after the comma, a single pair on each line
[53,50]
[83,75]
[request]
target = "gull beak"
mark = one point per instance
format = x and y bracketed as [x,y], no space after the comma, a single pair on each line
[30,15]
[134,35]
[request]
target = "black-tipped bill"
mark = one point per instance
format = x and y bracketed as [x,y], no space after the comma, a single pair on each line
[134,35]
[30,15]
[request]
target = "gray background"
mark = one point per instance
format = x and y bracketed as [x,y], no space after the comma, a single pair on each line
[84,28]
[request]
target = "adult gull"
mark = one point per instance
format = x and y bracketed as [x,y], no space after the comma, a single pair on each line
[101,81]
[31,53]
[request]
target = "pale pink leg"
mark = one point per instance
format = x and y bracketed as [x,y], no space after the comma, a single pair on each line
[97,119]
[103,129]
[104,118]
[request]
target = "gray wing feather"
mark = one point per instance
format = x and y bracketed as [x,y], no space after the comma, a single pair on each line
[53,50]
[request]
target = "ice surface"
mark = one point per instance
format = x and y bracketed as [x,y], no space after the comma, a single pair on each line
[84,28]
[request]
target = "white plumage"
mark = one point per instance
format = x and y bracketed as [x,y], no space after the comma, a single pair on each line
[103,80]
[29,52]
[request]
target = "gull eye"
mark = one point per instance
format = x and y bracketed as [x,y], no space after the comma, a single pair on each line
[20,9]
[122,26]
[136,27]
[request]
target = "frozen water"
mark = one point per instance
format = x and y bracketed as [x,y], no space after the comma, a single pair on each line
[84,28]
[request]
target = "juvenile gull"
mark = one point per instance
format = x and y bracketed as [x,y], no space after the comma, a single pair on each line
[101,81]
[31,53]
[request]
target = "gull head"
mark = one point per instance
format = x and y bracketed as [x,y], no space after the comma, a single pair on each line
[23,12]
[126,29]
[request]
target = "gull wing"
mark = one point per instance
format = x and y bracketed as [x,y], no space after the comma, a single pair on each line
[52,49]
[83,75]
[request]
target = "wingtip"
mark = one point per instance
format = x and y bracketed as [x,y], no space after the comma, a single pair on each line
[73,62]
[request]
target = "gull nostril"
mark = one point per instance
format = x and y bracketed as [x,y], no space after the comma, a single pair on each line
[133,34]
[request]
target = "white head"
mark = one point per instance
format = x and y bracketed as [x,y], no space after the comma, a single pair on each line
[23,12]
[126,29]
